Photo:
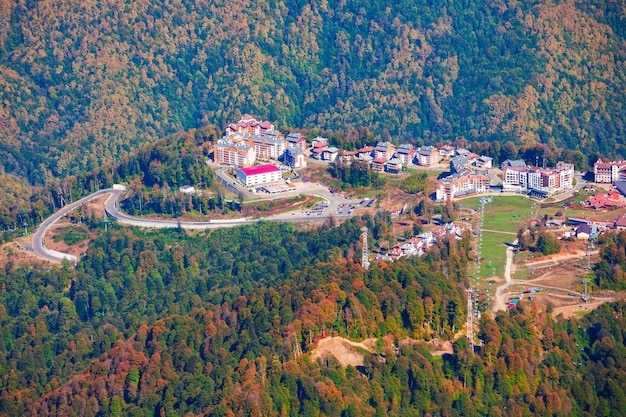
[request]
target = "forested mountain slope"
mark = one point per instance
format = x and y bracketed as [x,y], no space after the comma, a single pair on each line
[222,323]
[86,81]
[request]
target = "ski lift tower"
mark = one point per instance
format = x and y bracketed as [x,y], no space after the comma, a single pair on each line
[470,318]
[365,262]
[586,296]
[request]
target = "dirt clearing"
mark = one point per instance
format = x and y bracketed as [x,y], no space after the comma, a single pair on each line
[344,350]
[19,252]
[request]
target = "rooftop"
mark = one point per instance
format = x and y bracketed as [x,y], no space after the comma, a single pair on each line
[267,139]
[383,146]
[426,150]
[405,148]
[260,169]
[294,137]
[293,151]
[517,163]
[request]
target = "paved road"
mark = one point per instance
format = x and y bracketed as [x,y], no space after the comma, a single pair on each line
[111,207]
[38,243]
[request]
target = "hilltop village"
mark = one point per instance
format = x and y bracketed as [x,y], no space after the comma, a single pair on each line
[256,148]
[259,154]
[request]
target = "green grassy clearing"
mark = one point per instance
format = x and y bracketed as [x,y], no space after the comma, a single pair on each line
[71,235]
[503,214]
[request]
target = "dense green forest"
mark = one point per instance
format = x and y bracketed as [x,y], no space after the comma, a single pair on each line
[221,323]
[84,82]
[609,272]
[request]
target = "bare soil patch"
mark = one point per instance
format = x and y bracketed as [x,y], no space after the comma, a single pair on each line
[19,252]
[344,350]
[570,311]
[78,249]
[95,207]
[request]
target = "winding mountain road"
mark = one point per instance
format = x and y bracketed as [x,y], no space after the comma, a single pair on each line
[112,210]
[39,246]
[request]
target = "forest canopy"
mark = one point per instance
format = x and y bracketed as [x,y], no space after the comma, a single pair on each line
[82,82]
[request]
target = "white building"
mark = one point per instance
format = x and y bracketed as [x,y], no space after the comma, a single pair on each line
[608,172]
[462,184]
[427,155]
[187,189]
[268,145]
[294,157]
[258,175]
[544,181]
[484,162]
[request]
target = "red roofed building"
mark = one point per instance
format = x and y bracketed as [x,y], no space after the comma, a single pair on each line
[365,151]
[447,150]
[249,124]
[610,199]
[261,174]
[378,164]
[395,253]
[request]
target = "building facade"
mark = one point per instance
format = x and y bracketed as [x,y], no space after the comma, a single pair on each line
[268,146]
[463,183]
[258,175]
[384,150]
[294,157]
[427,155]
[248,124]
[546,181]
[296,140]
[234,154]
[608,172]
[406,153]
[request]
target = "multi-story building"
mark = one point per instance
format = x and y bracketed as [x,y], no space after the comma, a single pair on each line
[384,150]
[484,162]
[447,150]
[543,181]
[463,183]
[258,175]
[515,177]
[268,145]
[405,153]
[459,163]
[608,172]
[294,157]
[249,124]
[378,164]
[348,156]
[238,154]
[365,151]
[427,155]
[296,140]
[394,166]
[330,153]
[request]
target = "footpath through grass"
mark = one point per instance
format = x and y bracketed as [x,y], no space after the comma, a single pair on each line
[503,217]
